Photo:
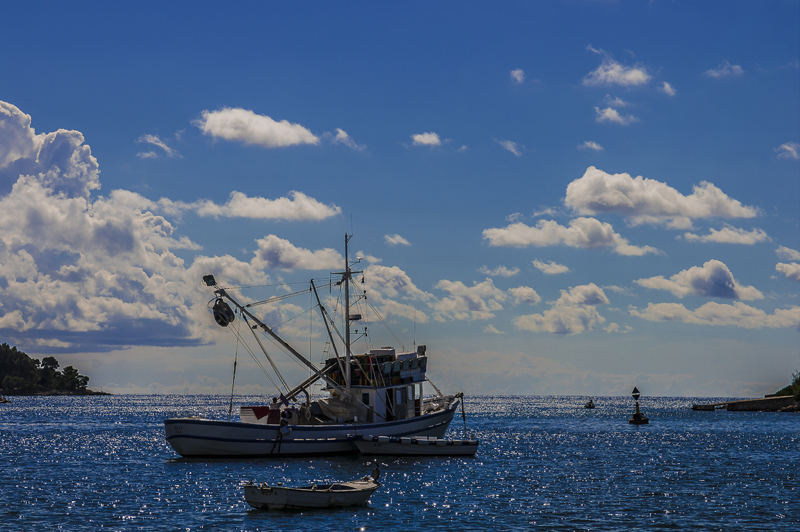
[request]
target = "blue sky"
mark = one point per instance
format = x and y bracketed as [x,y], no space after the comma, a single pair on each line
[555,197]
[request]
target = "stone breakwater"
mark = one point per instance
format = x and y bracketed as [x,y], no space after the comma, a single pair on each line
[784,403]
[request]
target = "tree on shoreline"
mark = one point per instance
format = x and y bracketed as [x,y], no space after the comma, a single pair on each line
[22,375]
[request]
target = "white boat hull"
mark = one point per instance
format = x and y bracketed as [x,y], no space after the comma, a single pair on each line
[393,446]
[204,438]
[337,495]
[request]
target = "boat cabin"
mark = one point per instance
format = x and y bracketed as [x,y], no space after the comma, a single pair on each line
[387,384]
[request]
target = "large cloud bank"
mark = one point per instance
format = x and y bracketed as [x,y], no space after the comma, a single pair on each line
[84,273]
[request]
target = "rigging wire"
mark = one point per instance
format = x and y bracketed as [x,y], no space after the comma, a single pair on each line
[269,358]
[257,361]
[375,310]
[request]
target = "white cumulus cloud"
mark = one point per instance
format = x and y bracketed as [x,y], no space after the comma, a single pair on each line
[393,293]
[584,233]
[790,270]
[243,125]
[713,279]
[611,72]
[573,313]
[477,302]
[275,252]
[59,161]
[518,75]
[524,294]
[737,314]
[650,201]
[426,139]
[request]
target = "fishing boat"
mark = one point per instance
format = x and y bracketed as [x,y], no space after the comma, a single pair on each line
[381,392]
[416,446]
[589,404]
[335,495]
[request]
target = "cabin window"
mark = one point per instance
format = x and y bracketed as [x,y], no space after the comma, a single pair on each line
[365,398]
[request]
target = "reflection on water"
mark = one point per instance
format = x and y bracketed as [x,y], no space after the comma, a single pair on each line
[85,463]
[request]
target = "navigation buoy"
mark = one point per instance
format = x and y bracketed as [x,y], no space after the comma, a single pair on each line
[637,418]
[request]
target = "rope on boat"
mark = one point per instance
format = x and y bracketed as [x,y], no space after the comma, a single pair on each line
[233,383]
[463,416]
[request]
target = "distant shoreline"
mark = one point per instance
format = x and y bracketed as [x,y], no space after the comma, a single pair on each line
[56,392]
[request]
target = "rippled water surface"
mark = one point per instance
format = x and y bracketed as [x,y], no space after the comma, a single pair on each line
[545,463]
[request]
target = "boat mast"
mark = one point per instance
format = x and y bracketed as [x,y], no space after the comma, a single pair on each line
[347,317]
[347,313]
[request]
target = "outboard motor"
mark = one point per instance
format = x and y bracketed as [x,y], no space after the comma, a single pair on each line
[223,314]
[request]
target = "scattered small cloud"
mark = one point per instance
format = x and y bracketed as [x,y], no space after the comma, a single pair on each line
[243,125]
[549,268]
[500,271]
[590,145]
[713,279]
[509,145]
[730,235]
[789,150]
[518,75]
[346,140]
[394,240]
[620,290]
[667,89]
[491,329]
[462,149]
[615,101]
[155,141]
[611,72]
[426,139]
[611,115]
[788,253]
[544,211]
[724,70]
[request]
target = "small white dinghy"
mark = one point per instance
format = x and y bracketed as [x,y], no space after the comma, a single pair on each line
[414,446]
[337,495]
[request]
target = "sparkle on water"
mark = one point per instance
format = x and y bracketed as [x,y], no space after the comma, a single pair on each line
[545,463]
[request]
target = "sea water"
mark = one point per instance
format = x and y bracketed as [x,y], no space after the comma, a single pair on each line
[544,463]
